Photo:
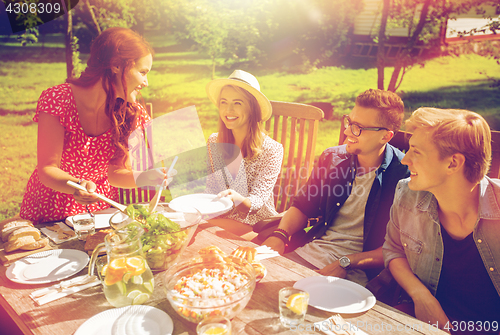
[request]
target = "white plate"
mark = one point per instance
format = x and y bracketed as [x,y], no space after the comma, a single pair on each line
[130,320]
[336,295]
[203,203]
[47,266]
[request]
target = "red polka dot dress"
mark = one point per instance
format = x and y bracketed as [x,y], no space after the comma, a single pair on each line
[83,157]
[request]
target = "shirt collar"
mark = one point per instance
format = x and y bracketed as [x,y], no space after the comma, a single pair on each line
[388,154]
[488,205]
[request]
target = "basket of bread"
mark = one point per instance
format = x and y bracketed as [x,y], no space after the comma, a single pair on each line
[21,234]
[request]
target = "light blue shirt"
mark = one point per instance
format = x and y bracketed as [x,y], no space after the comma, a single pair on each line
[414,232]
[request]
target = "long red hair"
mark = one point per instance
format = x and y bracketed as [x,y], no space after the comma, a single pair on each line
[115,47]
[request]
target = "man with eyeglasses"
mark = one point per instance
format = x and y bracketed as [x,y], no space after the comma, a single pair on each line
[351,189]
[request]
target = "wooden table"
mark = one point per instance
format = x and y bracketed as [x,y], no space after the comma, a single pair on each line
[261,316]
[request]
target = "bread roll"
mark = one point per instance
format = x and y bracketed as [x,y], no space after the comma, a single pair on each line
[36,245]
[19,243]
[13,225]
[24,231]
[260,270]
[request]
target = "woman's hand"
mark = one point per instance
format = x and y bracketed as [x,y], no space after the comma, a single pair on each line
[86,198]
[155,177]
[232,195]
[241,203]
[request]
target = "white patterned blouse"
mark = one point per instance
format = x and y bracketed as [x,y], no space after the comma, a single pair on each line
[255,179]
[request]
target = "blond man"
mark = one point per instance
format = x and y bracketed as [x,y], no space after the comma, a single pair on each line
[442,243]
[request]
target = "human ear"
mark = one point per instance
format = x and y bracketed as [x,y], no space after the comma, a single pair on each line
[388,136]
[457,161]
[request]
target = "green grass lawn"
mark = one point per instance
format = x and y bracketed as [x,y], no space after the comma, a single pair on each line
[178,79]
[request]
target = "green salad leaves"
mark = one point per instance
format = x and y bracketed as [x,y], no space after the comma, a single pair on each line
[163,239]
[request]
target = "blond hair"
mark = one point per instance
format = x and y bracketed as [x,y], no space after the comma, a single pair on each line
[457,131]
[252,145]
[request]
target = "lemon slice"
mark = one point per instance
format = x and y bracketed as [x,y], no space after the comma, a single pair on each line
[126,277]
[136,265]
[121,287]
[133,294]
[297,303]
[215,330]
[140,299]
[149,286]
[118,263]
[137,280]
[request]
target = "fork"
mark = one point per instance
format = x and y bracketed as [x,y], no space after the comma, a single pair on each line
[339,320]
[335,322]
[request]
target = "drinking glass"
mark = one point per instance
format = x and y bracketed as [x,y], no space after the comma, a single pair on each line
[293,306]
[84,225]
[215,325]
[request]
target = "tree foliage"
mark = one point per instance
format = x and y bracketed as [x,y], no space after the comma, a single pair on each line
[424,20]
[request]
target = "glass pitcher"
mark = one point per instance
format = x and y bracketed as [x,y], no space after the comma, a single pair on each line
[126,276]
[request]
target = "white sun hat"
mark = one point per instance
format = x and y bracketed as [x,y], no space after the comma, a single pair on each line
[246,81]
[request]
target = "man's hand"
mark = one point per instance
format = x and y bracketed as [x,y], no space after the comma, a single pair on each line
[333,269]
[428,309]
[86,198]
[276,244]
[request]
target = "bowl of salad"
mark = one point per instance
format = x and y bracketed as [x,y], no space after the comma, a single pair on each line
[166,233]
[209,285]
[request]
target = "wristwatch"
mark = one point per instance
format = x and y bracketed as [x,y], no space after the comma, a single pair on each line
[345,262]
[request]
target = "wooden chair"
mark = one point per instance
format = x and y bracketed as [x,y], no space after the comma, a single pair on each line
[295,126]
[133,196]
[495,155]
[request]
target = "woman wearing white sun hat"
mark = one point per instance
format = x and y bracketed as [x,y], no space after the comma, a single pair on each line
[244,162]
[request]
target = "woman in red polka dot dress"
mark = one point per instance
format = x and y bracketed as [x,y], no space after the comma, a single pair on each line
[83,128]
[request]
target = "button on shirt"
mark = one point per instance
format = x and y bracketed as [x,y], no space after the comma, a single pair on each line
[414,232]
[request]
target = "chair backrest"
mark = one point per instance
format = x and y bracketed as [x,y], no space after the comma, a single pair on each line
[133,196]
[400,140]
[495,155]
[295,126]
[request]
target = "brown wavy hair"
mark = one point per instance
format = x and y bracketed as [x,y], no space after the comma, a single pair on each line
[115,47]
[252,145]
[390,106]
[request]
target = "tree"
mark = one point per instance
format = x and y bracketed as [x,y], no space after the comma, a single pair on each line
[405,58]
[381,44]
[208,27]
[426,29]
[235,30]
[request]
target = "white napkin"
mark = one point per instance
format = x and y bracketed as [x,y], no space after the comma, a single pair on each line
[57,232]
[101,218]
[336,325]
[63,289]
[264,252]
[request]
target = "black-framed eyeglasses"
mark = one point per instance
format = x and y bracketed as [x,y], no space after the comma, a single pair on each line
[356,128]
